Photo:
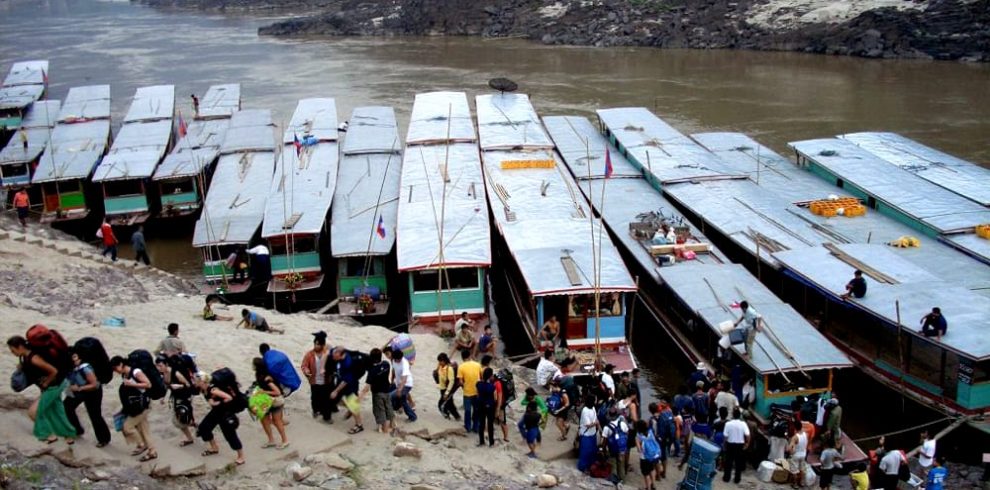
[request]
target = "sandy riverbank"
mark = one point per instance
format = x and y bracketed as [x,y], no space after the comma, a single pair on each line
[59,282]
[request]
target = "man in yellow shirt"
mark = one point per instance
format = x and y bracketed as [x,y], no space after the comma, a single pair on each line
[469,373]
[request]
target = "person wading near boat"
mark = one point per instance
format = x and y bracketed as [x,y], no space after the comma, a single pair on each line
[856,287]
[934,324]
[737,437]
[314,365]
[48,413]
[22,203]
[109,240]
[140,248]
[752,322]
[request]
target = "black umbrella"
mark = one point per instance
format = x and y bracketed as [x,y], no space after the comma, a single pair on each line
[503,85]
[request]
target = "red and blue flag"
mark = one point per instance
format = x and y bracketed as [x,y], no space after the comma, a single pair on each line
[608,164]
[381,227]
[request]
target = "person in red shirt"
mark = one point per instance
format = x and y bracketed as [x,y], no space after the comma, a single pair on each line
[109,240]
[22,203]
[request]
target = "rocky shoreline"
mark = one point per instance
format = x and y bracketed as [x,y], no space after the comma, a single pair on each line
[914,29]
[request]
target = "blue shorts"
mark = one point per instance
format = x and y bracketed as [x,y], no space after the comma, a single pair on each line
[533,435]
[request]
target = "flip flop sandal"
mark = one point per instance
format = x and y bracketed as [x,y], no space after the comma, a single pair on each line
[282,446]
[51,441]
[138,451]
[268,445]
[239,463]
[209,452]
[148,457]
[356,429]
[186,443]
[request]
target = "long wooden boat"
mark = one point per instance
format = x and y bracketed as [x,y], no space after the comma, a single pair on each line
[17,161]
[142,142]
[565,266]
[365,210]
[300,197]
[692,295]
[942,169]
[185,174]
[443,236]
[26,83]
[77,145]
[235,205]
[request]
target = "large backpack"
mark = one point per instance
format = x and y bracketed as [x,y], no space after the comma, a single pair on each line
[282,371]
[141,359]
[700,406]
[603,411]
[90,350]
[508,385]
[618,439]
[651,447]
[359,363]
[666,427]
[51,346]
[225,380]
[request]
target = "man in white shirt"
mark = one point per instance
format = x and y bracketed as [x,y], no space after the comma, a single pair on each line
[927,454]
[726,398]
[736,441]
[463,320]
[607,379]
[546,370]
[403,379]
[615,430]
[890,465]
[752,321]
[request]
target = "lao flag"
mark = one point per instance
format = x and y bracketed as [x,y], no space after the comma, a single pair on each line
[297,144]
[381,227]
[182,126]
[608,164]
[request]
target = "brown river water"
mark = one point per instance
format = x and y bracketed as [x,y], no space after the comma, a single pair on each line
[774,97]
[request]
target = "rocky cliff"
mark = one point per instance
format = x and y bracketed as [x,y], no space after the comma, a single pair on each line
[929,29]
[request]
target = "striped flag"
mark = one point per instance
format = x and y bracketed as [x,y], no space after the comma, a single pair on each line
[608,164]
[381,227]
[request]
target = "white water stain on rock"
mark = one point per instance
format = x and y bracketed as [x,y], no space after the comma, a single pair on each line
[794,14]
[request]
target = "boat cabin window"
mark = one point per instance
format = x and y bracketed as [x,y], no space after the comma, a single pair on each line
[355,267]
[129,187]
[582,305]
[277,246]
[816,381]
[458,278]
[178,187]
[13,170]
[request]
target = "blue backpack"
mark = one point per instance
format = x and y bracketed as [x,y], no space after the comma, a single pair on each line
[618,440]
[666,427]
[555,401]
[700,406]
[651,448]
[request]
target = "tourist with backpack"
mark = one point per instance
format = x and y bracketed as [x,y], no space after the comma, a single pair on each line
[222,393]
[666,433]
[687,434]
[85,389]
[446,377]
[615,435]
[48,413]
[270,412]
[649,453]
[135,403]
[532,399]
[178,375]
[350,369]
[559,405]
[281,369]
[487,406]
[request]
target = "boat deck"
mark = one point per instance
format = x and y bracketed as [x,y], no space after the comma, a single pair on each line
[80,137]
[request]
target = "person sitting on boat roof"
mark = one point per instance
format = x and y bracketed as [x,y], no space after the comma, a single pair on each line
[752,321]
[464,340]
[934,324]
[856,287]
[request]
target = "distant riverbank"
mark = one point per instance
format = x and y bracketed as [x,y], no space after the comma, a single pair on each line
[912,29]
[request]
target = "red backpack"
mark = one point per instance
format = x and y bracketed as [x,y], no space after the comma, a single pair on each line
[51,346]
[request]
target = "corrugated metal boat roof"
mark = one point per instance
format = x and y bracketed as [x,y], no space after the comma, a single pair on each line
[153,103]
[660,149]
[26,73]
[20,96]
[709,290]
[235,204]
[196,150]
[423,197]
[509,121]
[303,186]
[136,151]
[220,101]
[73,151]
[955,174]
[583,148]
[916,291]
[367,185]
[440,117]
[372,129]
[938,208]
[316,117]
[85,103]
[37,123]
